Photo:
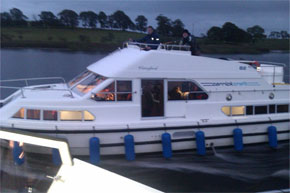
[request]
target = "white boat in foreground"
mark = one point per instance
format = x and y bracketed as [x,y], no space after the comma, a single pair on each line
[148,93]
[73,175]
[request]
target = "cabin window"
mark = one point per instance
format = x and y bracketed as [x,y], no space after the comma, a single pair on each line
[124,90]
[226,110]
[237,111]
[33,114]
[249,110]
[233,111]
[19,114]
[120,90]
[257,110]
[88,84]
[50,115]
[282,108]
[272,108]
[70,115]
[260,110]
[88,116]
[185,90]
[78,78]
[107,94]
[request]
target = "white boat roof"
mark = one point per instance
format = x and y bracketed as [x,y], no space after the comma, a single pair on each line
[136,63]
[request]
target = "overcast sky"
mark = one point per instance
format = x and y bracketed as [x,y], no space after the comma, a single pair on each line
[197,15]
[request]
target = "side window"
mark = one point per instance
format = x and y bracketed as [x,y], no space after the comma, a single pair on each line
[33,114]
[124,90]
[19,114]
[260,110]
[238,110]
[120,90]
[272,109]
[88,116]
[255,110]
[249,110]
[282,108]
[49,115]
[70,115]
[107,94]
[226,110]
[234,111]
[179,90]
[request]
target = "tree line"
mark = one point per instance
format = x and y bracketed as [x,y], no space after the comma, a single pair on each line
[229,32]
[89,19]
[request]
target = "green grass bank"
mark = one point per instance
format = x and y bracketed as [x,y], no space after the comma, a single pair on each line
[108,40]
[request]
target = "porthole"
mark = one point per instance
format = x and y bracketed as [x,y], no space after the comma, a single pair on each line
[229,97]
[271,96]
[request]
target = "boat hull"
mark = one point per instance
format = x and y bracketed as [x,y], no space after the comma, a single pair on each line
[148,140]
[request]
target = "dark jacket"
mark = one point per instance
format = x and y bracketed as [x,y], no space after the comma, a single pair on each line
[191,41]
[150,39]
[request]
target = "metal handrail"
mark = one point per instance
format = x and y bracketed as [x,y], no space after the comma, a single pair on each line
[139,44]
[274,75]
[9,98]
[33,79]
[273,63]
[260,62]
[274,66]
[26,88]
[160,46]
[26,80]
[175,47]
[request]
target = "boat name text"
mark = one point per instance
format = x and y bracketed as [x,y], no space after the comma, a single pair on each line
[148,68]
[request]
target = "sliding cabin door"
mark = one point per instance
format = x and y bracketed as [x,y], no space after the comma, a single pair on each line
[152,101]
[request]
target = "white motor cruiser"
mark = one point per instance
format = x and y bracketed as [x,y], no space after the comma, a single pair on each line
[148,93]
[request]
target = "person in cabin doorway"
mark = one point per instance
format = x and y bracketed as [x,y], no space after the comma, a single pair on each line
[152,38]
[150,100]
[189,40]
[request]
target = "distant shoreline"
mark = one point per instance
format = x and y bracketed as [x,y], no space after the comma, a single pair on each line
[98,40]
[109,50]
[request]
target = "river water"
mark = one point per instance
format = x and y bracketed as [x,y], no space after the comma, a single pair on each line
[257,168]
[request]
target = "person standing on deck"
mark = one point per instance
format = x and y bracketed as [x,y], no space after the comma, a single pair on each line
[189,40]
[151,38]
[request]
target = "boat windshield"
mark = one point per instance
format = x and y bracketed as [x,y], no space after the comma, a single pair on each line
[79,78]
[88,84]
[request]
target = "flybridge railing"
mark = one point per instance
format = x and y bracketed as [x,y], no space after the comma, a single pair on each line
[271,71]
[26,87]
[262,62]
[26,80]
[165,46]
